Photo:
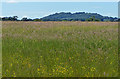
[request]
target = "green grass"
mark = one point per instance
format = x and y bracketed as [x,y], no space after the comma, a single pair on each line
[60,49]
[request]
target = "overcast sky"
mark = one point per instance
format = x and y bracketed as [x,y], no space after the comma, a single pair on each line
[41,9]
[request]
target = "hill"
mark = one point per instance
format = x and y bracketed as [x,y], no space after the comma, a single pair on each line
[78,16]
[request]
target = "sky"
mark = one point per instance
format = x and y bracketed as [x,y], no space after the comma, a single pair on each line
[41,9]
[12,1]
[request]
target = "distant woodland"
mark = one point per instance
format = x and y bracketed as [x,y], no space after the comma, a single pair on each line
[66,16]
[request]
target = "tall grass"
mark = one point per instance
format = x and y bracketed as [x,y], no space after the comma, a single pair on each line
[60,49]
[0,49]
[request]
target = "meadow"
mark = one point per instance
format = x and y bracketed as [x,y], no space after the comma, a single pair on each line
[59,49]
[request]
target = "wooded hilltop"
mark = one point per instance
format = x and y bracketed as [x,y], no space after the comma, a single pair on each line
[66,16]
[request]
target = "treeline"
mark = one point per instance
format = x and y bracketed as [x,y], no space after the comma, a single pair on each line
[15,18]
[79,16]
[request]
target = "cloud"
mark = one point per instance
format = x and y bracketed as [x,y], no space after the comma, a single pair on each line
[24,16]
[11,1]
[2,16]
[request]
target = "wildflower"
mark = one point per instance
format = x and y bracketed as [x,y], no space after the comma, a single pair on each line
[17,62]
[57,58]
[53,70]
[70,67]
[38,69]
[110,62]
[83,67]
[62,71]
[50,74]
[11,64]
[113,70]
[69,58]
[14,74]
[7,70]
[92,69]
[104,73]
[41,56]
[29,65]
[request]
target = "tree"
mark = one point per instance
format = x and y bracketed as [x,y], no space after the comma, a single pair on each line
[92,19]
[37,19]
[0,19]
[24,19]
[15,18]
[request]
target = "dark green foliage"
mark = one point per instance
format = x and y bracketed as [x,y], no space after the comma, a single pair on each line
[14,18]
[25,19]
[79,16]
[0,19]
[37,19]
[92,19]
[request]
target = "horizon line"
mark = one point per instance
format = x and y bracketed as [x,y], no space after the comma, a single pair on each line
[59,12]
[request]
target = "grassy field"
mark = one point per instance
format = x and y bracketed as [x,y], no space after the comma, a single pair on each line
[0,49]
[60,49]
